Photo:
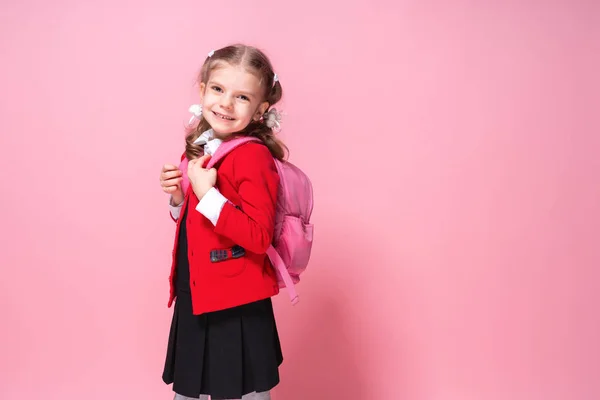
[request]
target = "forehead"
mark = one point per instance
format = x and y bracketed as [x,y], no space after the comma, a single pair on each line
[235,78]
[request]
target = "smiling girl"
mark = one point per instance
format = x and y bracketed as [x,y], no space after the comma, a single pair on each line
[223,340]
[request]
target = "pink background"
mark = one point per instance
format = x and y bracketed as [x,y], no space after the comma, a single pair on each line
[455,163]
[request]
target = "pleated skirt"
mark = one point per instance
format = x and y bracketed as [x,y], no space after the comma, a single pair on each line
[225,354]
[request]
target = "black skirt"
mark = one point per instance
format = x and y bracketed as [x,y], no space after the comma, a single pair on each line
[225,354]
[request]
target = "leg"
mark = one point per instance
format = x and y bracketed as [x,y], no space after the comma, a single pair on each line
[180,397]
[257,396]
[249,396]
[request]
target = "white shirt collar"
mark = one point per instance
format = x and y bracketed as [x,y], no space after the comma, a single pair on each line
[211,144]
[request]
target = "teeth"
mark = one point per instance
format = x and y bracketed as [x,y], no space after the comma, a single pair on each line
[223,117]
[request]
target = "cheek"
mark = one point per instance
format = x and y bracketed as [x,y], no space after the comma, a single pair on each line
[246,110]
[210,97]
[206,101]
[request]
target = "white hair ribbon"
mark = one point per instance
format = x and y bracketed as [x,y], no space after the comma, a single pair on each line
[272,119]
[196,110]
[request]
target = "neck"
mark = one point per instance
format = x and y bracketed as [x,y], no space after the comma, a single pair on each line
[225,137]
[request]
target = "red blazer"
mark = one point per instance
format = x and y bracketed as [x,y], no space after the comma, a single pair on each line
[248,178]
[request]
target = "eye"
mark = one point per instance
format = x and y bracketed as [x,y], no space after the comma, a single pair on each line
[216,88]
[245,98]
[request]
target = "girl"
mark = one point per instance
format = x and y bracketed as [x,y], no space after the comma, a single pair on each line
[223,340]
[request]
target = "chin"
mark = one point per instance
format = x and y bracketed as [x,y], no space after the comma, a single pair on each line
[222,135]
[225,131]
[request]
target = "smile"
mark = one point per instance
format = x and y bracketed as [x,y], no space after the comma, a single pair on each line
[225,117]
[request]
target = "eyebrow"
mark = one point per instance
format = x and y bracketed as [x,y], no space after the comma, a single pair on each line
[211,82]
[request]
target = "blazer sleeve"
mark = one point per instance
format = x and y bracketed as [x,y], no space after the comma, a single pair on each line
[175,211]
[251,225]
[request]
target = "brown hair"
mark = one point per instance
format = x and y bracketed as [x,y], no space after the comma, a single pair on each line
[256,62]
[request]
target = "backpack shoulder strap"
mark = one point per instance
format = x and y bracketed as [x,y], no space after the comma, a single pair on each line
[279,265]
[227,146]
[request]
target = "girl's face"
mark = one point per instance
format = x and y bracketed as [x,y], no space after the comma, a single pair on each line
[231,99]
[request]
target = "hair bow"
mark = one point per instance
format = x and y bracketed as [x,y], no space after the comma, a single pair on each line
[196,110]
[272,119]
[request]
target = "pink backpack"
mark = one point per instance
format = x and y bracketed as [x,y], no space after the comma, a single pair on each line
[293,236]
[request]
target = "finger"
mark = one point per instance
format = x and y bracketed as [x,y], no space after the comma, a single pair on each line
[172,182]
[163,177]
[202,160]
[197,162]
[171,174]
[171,189]
[169,167]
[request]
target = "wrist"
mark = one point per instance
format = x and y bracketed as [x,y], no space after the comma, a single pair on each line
[201,192]
[176,200]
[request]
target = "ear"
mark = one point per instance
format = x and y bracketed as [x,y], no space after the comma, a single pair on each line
[202,89]
[261,110]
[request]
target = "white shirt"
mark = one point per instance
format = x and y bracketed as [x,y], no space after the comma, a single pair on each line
[213,201]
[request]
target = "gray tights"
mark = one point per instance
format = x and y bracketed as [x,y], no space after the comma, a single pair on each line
[249,396]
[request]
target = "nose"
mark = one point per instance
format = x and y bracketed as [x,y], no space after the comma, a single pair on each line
[226,102]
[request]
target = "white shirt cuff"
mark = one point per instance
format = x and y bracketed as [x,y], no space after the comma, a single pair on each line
[211,205]
[175,210]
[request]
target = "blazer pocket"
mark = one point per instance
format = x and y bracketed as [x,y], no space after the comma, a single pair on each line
[231,267]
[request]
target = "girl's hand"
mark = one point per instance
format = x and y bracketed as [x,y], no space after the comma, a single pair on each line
[201,179]
[170,181]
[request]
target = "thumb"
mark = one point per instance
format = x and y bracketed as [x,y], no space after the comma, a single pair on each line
[203,160]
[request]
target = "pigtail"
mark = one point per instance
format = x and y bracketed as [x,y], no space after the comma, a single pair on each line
[192,150]
[266,135]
